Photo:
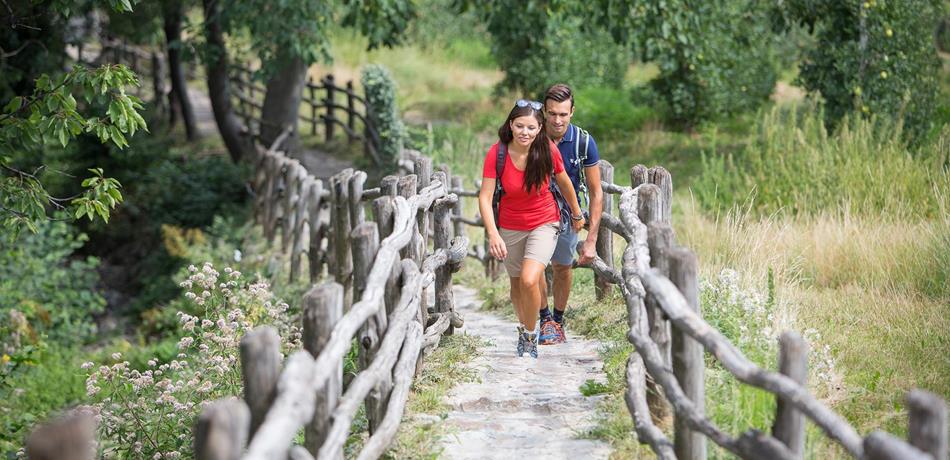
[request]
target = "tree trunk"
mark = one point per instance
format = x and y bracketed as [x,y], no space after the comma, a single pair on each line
[219,89]
[178,100]
[282,102]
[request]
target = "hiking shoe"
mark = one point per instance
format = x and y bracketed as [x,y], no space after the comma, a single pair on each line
[521,342]
[531,344]
[561,337]
[549,332]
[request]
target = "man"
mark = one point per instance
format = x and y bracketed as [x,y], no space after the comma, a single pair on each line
[572,142]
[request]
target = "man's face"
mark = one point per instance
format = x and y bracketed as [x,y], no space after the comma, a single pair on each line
[558,116]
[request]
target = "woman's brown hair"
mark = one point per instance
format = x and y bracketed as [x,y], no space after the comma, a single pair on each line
[539,165]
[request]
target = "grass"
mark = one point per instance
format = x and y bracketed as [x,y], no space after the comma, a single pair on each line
[419,435]
[861,273]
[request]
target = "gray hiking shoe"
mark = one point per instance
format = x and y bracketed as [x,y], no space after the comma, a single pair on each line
[521,341]
[531,344]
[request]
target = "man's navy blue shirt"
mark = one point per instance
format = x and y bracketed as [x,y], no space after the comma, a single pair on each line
[571,164]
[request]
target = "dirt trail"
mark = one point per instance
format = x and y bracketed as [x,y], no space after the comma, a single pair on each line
[522,407]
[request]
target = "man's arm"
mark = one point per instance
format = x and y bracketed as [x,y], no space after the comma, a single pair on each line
[596,194]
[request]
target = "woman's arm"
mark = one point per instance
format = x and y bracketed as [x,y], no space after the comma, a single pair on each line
[496,246]
[567,189]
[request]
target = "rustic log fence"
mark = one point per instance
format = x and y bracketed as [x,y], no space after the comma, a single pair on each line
[383,268]
[658,281]
[326,106]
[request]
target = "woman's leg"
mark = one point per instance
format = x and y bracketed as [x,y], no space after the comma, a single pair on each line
[532,272]
[516,296]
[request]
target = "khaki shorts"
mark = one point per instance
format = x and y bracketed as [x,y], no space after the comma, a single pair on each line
[537,244]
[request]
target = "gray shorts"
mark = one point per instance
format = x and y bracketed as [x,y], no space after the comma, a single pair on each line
[566,247]
[537,245]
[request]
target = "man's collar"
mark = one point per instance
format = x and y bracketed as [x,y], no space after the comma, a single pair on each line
[569,135]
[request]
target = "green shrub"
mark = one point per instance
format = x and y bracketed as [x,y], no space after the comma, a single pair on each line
[873,57]
[380,91]
[607,112]
[715,58]
[551,42]
[796,166]
[52,291]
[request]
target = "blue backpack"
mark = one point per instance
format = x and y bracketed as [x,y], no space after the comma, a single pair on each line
[564,210]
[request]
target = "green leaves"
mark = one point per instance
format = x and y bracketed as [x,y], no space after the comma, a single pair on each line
[102,195]
[51,117]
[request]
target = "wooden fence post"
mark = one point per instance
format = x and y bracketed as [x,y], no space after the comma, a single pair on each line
[660,177]
[927,422]
[605,238]
[688,365]
[357,215]
[342,258]
[458,228]
[388,185]
[350,110]
[648,209]
[311,89]
[322,310]
[406,189]
[789,425]
[328,81]
[365,246]
[317,231]
[70,437]
[221,430]
[260,366]
[639,175]
[660,242]
[444,298]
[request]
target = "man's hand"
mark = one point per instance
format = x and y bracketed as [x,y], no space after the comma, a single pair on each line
[587,253]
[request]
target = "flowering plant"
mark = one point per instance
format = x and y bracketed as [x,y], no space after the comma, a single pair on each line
[150,413]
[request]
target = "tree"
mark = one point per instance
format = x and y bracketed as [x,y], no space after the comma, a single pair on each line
[287,37]
[44,108]
[872,57]
[715,57]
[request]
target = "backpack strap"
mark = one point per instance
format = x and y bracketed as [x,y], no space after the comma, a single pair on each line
[581,146]
[500,160]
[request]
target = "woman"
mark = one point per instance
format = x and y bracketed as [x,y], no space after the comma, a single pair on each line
[528,219]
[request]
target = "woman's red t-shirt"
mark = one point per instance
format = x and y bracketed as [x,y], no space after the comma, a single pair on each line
[520,210]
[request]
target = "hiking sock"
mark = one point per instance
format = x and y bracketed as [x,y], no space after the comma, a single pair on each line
[545,313]
[558,315]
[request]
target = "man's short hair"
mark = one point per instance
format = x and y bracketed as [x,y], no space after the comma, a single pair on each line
[559,93]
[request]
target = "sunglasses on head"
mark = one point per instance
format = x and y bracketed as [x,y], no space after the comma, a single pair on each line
[526,103]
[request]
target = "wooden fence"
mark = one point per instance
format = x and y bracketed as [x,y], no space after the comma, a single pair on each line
[382,270]
[658,281]
[325,105]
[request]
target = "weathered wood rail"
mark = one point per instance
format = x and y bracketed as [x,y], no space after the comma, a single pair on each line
[381,270]
[325,105]
[658,282]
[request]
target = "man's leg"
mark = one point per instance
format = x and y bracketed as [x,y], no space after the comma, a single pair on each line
[563,277]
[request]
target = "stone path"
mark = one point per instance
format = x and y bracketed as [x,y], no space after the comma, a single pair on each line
[522,407]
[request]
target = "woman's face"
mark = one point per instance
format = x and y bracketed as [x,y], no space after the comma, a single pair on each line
[525,129]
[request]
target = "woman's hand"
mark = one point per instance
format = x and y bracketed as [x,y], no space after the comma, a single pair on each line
[577,225]
[496,246]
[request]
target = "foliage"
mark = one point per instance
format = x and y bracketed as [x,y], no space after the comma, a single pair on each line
[873,57]
[380,89]
[143,410]
[44,291]
[796,166]
[715,58]
[382,21]
[607,112]
[548,42]
[30,395]
[52,114]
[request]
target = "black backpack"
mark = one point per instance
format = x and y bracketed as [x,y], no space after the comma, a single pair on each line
[564,210]
[580,154]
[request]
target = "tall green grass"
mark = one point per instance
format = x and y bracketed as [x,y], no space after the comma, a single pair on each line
[794,166]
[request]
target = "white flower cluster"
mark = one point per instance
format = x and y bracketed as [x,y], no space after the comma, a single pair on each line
[148,413]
